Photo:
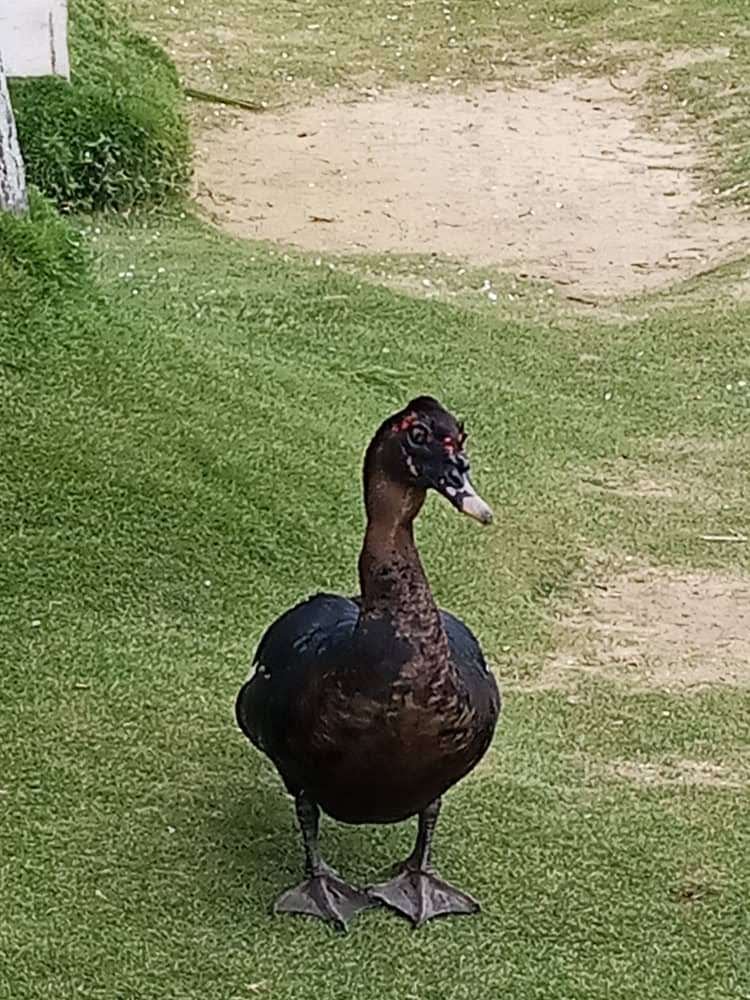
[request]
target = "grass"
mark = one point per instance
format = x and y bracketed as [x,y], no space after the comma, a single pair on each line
[181,429]
[182,446]
[36,250]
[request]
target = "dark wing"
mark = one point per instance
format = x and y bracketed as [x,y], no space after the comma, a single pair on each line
[478,678]
[309,638]
[465,649]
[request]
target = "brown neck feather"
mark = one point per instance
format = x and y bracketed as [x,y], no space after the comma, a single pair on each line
[389,564]
[392,579]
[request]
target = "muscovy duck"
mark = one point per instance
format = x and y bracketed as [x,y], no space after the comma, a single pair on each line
[371,707]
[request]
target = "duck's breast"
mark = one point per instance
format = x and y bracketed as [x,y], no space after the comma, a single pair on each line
[393,734]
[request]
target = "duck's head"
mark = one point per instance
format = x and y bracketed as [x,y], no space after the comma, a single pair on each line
[422,447]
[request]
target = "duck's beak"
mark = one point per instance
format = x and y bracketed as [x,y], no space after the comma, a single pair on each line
[454,483]
[468,501]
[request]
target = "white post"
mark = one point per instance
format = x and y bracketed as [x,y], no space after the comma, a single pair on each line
[12,175]
[33,42]
[34,37]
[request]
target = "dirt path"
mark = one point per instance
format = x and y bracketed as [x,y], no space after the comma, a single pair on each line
[560,183]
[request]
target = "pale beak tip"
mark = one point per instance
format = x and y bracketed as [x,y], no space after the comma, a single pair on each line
[475,507]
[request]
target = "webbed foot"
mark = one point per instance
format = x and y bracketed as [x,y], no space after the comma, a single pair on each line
[420,895]
[325,895]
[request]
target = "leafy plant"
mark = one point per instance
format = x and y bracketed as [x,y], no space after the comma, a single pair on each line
[115,136]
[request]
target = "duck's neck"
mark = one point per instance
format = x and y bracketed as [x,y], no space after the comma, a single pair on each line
[391,574]
[392,579]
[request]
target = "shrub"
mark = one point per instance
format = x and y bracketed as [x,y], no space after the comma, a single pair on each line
[115,136]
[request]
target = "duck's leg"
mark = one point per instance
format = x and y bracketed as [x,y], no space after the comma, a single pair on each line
[323,894]
[416,891]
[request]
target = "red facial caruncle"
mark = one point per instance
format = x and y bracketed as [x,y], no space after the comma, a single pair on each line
[405,422]
[450,445]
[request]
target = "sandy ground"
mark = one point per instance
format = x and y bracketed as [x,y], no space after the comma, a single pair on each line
[658,628]
[561,183]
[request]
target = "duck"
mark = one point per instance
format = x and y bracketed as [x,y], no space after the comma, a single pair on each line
[372,707]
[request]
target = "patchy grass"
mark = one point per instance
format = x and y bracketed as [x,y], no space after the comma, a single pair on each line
[181,452]
[288,53]
[289,49]
[448,279]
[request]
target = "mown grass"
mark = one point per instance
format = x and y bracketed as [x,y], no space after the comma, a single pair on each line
[180,449]
[180,439]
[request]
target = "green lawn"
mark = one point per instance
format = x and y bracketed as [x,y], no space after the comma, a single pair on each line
[181,464]
[180,448]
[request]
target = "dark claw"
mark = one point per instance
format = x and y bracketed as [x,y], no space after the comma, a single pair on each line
[420,895]
[327,897]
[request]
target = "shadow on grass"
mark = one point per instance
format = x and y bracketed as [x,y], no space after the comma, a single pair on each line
[253,849]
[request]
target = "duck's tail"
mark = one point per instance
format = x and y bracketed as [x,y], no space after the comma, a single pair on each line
[244,712]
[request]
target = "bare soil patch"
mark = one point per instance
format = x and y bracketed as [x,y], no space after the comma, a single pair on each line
[561,183]
[632,480]
[658,628]
[679,772]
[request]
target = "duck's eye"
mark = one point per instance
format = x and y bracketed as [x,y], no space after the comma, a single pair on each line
[417,435]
